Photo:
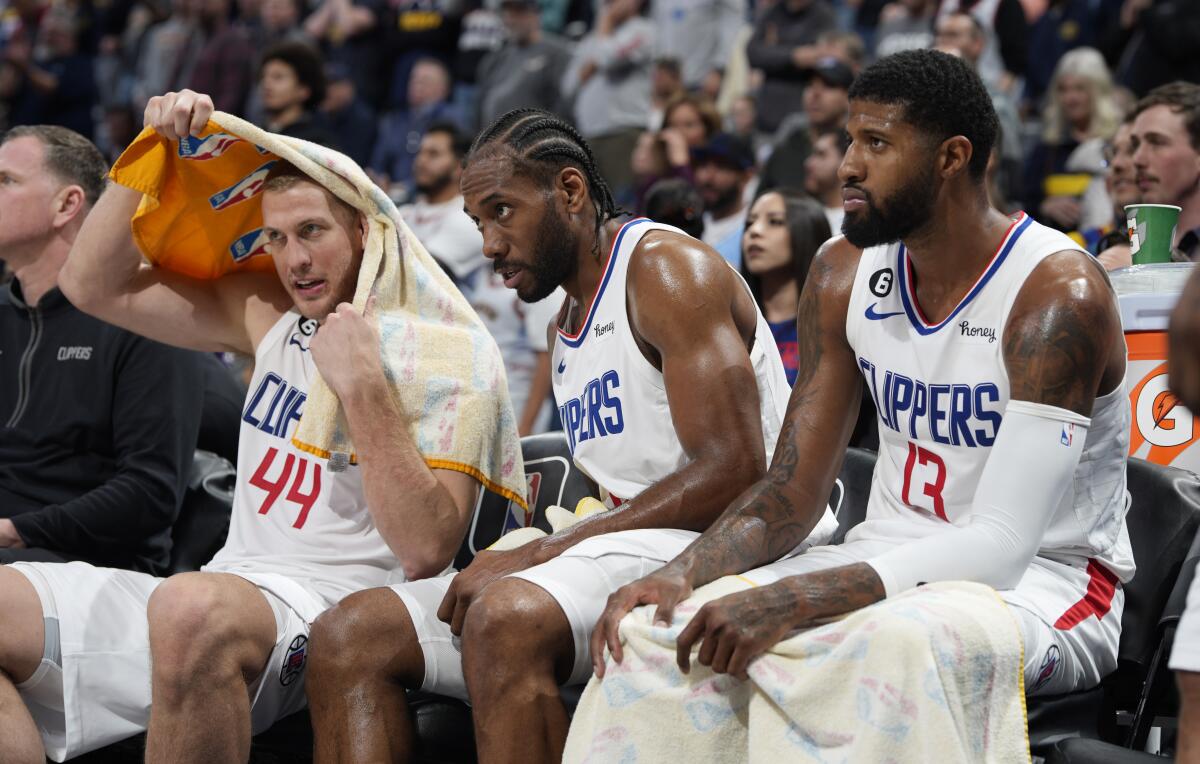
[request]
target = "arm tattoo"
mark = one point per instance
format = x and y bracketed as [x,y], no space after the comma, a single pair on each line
[1058,356]
[763,524]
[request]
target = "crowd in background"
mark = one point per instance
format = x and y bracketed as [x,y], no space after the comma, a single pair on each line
[724,117]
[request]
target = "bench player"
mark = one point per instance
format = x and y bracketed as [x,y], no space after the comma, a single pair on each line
[84,650]
[671,391]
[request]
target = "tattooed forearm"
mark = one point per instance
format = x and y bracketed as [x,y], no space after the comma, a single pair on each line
[826,594]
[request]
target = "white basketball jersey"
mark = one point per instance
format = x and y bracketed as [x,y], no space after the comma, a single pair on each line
[941,390]
[613,402]
[291,515]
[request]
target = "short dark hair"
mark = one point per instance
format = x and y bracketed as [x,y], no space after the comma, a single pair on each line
[676,202]
[69,156]
[1181,97]
[941,95]
[460,142]
[808,228]
[540,145]
[306,62]
[841,138]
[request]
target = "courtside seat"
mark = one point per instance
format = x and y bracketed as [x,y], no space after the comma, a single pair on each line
[851,490]
[1163,519]
[203,521]
[1083,751]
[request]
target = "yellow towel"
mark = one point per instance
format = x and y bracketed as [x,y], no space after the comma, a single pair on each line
[200,215]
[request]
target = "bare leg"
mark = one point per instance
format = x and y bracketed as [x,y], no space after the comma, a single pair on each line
[1189,718]
[22,642]
[364,653]
[517,649]
[210,636]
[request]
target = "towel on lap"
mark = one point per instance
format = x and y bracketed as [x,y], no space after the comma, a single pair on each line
[200,215]
[934,674]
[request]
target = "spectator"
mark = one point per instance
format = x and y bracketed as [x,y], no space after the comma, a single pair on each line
[349,32]
[609,79]
[229,63]
[700,35]
[847,47]
[1064,26]
[1158,44]
[676,202]
[904,25]
[960,34]
[170,50]
[1081,108]
[821,179]
[666,85]
[1166,157]
[348,116]
[723,167]
[56,83]
[825,108]
[527,70]
[415,30]
[1110,243]
[99,425]
[784,230]
[437,219]
[400,131]
[689,121]
[1006,54]
[292,82]
[784,47]
[483,33]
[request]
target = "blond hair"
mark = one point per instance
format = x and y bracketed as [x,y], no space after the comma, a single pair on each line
[1087,64]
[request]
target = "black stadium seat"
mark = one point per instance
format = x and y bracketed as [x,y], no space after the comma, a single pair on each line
[203,520]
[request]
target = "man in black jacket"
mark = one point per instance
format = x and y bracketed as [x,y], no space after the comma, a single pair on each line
[97,425]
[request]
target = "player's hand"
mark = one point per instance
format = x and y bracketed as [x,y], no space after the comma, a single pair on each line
[483,570]
[174,115]
[346,349]
[1183,367]
[739,627]
[9,538]
[665,588]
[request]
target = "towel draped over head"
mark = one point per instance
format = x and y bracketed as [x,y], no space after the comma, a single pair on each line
[200,215]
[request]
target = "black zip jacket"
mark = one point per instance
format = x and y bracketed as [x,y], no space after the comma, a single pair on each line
[97,430]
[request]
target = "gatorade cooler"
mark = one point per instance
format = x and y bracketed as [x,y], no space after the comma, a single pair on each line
[1163,430]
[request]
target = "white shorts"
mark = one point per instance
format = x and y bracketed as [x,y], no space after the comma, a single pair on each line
[1064,652]
[100,692]
[579,580]
[1185,655]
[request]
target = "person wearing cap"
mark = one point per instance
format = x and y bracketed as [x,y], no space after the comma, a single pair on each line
[527,70]
[722,168]
[825,108]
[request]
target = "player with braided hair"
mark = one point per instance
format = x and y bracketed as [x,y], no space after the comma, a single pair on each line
[671,392]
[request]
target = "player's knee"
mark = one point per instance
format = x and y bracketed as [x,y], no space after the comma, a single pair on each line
[510,618]
[22,639]
[193,629]
[368,636]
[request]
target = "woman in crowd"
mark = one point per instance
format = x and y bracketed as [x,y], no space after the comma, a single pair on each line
[1080,115]
[784,230]
[688,122]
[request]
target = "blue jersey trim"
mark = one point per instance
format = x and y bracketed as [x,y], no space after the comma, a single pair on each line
[575,340]
[910,307]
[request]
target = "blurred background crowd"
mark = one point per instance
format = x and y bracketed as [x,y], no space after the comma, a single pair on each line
[723,117]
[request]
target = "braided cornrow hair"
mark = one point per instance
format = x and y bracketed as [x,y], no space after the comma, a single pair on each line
[540,144]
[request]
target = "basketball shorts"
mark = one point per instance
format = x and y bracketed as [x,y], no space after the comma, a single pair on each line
[1185,655]
[99,691]
[1069,626]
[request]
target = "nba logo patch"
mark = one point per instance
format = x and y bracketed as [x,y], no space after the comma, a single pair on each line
[1049,666]
[1068,434]
[294,660]
[208,147]
[246,188]
[248,245]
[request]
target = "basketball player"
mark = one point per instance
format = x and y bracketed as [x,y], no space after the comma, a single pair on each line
[221,653]
[993,349]
[671,392]
[1185,656]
